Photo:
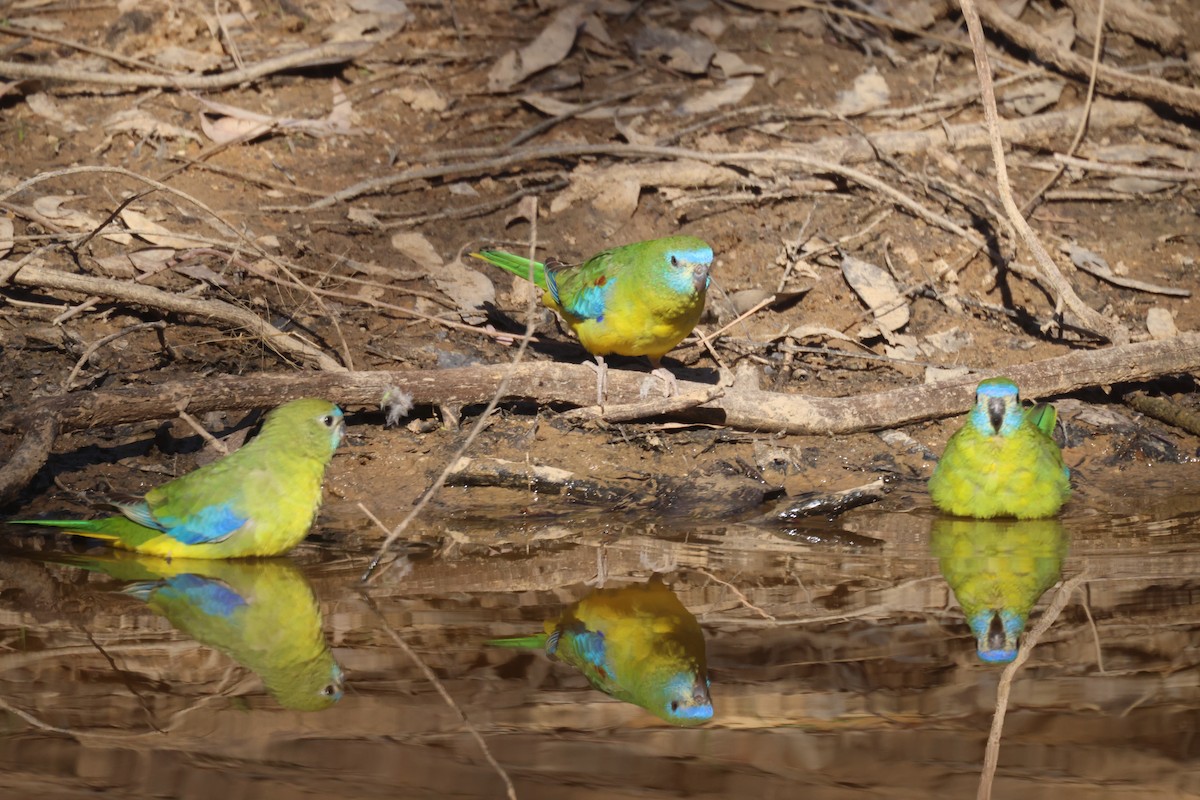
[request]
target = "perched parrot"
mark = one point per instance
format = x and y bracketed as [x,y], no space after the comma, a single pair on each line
[258,501]
[640,299]
[998,569]
[262,614]
[636,643]
[1003,462]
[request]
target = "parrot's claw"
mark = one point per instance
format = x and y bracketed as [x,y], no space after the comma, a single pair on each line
[669,384]
[601,370]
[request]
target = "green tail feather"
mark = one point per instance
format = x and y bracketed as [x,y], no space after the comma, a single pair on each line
[77,525]
[515,264]
[109,529]
[528,642]
[1044,416]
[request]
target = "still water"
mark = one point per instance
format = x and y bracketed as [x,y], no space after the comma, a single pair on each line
[842,663]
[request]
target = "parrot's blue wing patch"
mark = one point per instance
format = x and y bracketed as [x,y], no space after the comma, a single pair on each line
[209,524]
[590,646]
[589,302]
[212,597]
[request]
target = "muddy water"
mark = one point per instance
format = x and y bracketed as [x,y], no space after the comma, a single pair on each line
[841,664]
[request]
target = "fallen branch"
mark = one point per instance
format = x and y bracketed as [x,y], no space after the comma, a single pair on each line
[743,406]
[322,55]
[1181,98]
[283,343]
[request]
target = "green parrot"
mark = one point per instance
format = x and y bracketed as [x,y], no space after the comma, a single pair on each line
[258,501]
[1003,462]
[636,643]
[998,569]
[640,299]
[261,613]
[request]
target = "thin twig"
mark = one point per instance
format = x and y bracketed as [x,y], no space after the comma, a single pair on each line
[992,754]
[484,418]
[96,345]
[431,676]
[1111,329]
[1097,51]
[740,596]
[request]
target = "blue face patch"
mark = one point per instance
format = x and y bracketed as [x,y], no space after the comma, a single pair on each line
[1000,650]
[681,267]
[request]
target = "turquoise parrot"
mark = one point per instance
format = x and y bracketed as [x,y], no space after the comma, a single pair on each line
[262,614]
[640,299]
[258,501]
[636,643]
[998,569]
[1003,462]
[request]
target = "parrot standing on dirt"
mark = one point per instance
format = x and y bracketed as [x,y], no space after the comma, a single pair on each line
[998,569]
[640,299]
[1004,461]
[262,614]
[258,501]
[636,643]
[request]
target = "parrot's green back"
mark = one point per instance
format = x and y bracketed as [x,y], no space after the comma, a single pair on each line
[258,501]
[639,299]
[636,643]
[998,569]
[1003,462]
[262,614]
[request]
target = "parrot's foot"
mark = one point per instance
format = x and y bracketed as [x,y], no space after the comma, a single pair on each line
[601,370]
[670,385]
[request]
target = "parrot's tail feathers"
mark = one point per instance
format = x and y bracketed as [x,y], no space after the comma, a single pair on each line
[1044,416]
[515,264]
[142,589]
[92,528]
[526,642]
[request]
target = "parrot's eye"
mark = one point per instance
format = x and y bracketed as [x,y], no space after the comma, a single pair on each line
[328,691]
[327,420]
[674,261]
[674,705]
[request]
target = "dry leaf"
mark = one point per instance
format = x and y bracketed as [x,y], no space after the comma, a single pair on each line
[1031,98]
[6,236]
[423,98]
[419,249]
[1135,185]
[730,93]
[467,288]
[223,130]
[943,374]
[1061,30]
[53,207]
[47,108]
[550,47]
[140,122]
[398,7]
[143,227]
[733,66]
[180,58]
[1161,324]
[870,92]
[614,188]
[674,49]
[878,290]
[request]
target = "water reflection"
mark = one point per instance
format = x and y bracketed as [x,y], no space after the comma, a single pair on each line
[260,613]
[636,643]
[998,569]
